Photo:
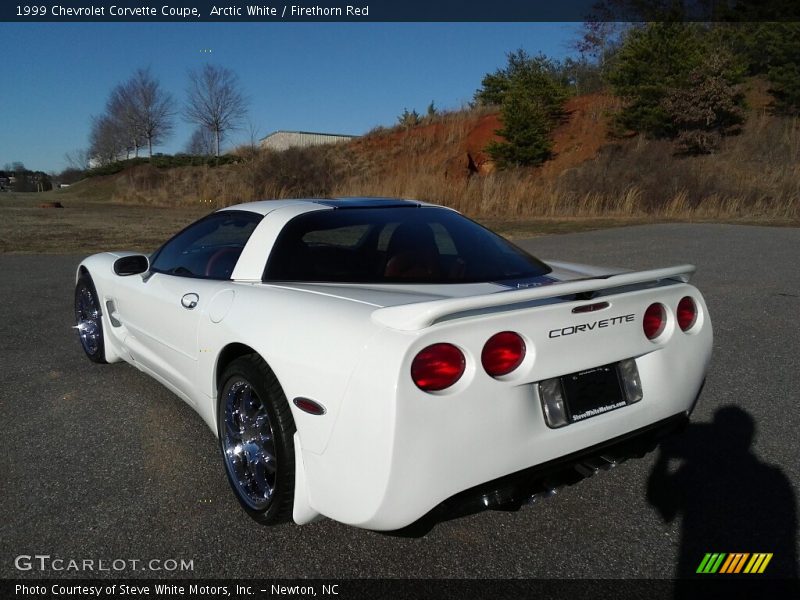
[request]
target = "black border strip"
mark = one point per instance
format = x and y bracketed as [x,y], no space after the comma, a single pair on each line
[406,11]
[728,587]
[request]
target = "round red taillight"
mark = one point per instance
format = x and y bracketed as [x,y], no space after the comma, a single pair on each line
[687,313]
[655,319]
[437,367]
[503,353]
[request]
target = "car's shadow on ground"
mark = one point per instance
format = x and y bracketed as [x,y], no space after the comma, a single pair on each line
[728,500]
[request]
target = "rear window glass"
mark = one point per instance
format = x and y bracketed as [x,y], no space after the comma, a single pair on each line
[395,245]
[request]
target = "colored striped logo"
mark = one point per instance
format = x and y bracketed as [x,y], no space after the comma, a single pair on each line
[735,562]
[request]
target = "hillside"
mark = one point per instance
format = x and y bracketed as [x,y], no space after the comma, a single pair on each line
[754,175]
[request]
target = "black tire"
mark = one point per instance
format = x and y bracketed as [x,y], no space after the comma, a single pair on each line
[89,319]
[256,429]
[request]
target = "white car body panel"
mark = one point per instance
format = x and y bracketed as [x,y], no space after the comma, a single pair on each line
[385,452]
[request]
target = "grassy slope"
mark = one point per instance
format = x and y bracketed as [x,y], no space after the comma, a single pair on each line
[753,177]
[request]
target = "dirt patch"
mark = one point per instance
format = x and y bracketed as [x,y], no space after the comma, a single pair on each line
[455,146]
[484,133]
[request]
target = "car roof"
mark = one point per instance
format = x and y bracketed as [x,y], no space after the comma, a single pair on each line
[266,206]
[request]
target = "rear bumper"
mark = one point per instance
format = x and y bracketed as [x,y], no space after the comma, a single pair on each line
[515,458]
[529,485]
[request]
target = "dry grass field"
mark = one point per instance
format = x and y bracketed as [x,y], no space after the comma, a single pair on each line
[86,224]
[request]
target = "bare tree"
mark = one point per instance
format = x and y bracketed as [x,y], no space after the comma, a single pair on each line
[599,39]
[107,141]
[215,101]
[140,112]
[254,135]
[78,159]
[152,106]
[121,107]
[201,143]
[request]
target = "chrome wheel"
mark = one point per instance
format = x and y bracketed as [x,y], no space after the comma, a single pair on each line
[87,315]
[256,439]
[248,445]
[89,319]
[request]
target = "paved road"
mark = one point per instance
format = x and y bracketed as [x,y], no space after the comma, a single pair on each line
[100,462]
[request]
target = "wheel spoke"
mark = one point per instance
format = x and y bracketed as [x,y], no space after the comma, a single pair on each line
[263,472]
[233,433]
[260,420]
[267,460]
[247,411]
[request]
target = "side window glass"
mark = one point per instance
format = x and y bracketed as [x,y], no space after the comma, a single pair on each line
[209,248]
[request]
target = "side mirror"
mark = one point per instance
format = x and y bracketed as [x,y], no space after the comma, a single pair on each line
[136,264]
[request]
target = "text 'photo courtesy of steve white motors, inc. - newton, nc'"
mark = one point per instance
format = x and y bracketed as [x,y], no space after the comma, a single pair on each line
[190,12]
[168,589]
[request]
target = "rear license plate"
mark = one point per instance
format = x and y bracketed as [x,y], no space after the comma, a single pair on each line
[592,392]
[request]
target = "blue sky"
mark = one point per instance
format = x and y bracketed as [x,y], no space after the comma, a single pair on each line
[329,77]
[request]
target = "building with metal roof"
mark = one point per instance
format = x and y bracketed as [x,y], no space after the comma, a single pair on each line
[283,140]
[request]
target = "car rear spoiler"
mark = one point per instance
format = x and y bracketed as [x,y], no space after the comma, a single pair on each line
[416,316]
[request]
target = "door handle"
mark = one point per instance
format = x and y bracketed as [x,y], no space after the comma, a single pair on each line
[189,301]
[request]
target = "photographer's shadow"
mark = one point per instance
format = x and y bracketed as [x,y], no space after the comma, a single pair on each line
[728,499]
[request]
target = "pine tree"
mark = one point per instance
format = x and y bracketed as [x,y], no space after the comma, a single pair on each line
[409,118]
[654,60]
[531,92]
[710,107]
[526,130]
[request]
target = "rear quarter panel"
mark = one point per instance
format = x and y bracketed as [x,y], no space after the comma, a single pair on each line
[312,343]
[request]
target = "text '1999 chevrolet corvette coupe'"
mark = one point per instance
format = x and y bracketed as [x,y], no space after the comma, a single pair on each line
[367,359]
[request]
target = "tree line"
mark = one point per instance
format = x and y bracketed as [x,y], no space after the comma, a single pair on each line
[16,177]
[676,80]
[139,113]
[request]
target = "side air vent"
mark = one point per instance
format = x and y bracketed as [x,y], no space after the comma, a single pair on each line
[111,311]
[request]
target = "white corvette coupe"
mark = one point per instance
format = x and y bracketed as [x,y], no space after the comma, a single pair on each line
[369,359]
